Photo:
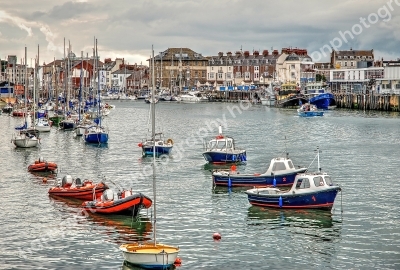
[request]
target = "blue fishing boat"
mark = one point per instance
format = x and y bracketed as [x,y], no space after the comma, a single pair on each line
[309,110]
[162,147]
[309,190]
[281,172]
[319,96]
[222,149]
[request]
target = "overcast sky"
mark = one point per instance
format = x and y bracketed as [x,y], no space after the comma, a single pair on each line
[129,28]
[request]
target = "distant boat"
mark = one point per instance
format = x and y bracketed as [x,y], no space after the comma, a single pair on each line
[162,147]
[42,165]
[309,110]
[319,96]
[309,190]
[222,149]
[289,95]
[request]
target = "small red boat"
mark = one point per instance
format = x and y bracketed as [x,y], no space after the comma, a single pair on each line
[127,203]
[42,166]
[75,188]
[18,113]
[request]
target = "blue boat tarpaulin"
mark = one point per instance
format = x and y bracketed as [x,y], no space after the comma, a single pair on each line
[230,88]
[222,88]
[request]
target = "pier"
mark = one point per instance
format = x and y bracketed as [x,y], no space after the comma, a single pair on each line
[380,102]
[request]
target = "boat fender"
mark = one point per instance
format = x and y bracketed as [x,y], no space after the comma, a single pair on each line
[280,202]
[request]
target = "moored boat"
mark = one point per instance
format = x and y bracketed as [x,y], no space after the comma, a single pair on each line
[162,147]
[319,96]
[281,171]
[126,203]
[78,189]
[222,149]
[42,165]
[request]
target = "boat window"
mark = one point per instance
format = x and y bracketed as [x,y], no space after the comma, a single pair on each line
[278,166]
[229,144]
[328,180]
[290,164]
[221,144]
[304,183]
[212,144]
[318,181]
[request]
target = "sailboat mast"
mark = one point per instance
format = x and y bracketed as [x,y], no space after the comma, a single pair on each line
[80,89]
[26,86]
[153,134]
[98,84]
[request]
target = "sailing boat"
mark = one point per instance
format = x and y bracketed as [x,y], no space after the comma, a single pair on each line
[24,138]
[151,255]
[97,133]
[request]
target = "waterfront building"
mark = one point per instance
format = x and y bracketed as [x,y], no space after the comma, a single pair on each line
[179,68]
[295,66]
[351,59]
[355,80]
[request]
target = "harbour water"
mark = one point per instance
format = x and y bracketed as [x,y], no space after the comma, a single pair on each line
[359,149]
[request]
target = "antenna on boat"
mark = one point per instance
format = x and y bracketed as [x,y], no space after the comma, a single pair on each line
[318,151]
[287,154]
[220,130]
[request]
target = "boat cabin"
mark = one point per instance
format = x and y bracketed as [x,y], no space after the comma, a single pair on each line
[280,164]
[221,143]
[311,181]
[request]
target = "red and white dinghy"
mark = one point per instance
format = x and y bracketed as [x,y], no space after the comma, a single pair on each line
[75,188]
[125,203]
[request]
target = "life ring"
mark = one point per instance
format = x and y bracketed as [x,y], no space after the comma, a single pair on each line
[170,141]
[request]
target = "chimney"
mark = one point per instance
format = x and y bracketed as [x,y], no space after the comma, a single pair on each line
[246,53]
[275,52]
[229,54]
[256,53]
[265,52]
[220,54]
[238,53]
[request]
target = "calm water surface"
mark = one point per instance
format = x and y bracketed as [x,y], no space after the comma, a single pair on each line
[359,149]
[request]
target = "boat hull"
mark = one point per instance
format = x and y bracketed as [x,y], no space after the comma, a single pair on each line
[323,101]
[160,150]
[42,167]
[96,138]
[310,113]
[25,142]
[125,206]
[150,256]
[82,193]
[67,124]
[225,157]
[316,200]
[255,180]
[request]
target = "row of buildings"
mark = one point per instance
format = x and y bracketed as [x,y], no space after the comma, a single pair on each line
[182,68]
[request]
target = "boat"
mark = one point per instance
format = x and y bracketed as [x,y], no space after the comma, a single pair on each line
[151,100]
[319,96]
[309,190]
[193,96]
[281,171]
[309,110]
[42,165]
[151,255]
[67,124]
[222,149]
[289,95]
[268,98]
[162,146]
[97,133]
[125,203]
[42,125]
[77,189]
[8,108]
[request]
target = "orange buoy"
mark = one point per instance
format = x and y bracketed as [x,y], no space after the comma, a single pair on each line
[140,144]
[233,168]
[178,262]
[217,236]
[44,180]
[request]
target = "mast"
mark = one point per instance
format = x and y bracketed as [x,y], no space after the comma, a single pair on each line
[98,84]
[26,87]
[80,89]
[153,128]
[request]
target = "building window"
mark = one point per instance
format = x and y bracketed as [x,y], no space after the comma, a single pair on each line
[238,75]
[229,75]
[345,63]
[247,75]
[211,75]
[352,63]
[203,74]
[256,68]
[220,75]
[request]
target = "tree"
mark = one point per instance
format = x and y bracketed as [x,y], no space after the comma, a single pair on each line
[320,77]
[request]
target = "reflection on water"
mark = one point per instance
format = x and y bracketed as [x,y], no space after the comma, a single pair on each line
[316,223]
[127,266]
[119,228]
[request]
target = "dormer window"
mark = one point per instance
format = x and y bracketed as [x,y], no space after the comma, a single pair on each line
[351,57]
[339,57]
[345,57]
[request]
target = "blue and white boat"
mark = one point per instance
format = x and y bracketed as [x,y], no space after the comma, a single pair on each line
[222,149]
[96,134]
[162,147]
[309,190]
[309,110]
[281,172]
[319,96]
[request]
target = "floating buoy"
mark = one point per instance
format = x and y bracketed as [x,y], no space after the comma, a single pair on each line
[140,144]
[280,202]
[233,168]
[217,236]
[44,180]
[178,262]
